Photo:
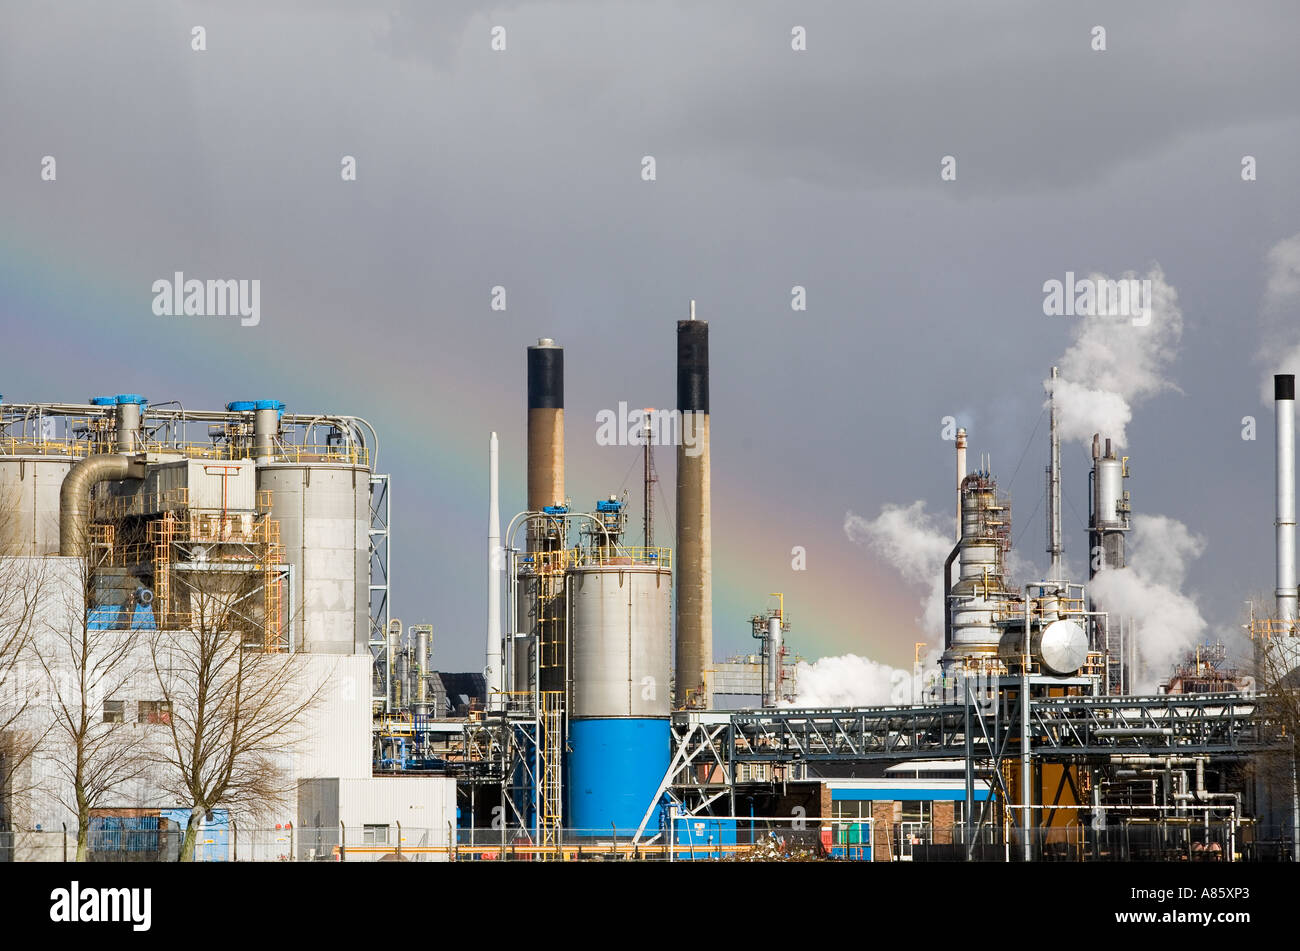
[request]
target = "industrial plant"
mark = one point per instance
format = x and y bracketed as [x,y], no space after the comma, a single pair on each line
[601,726]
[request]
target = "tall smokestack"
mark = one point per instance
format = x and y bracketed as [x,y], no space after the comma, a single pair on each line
[1054,492]
[545,428]
[694,532]
[1284,398]
[493,673]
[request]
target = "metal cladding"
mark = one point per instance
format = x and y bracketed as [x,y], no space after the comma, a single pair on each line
[324,515]
[694,529]
[619,638]
[29,503]
[1284,399]
[614,769]
[545,426]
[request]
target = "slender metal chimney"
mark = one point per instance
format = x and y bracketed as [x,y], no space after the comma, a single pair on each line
[493,672]
[1284,400]
[961,474]
[1054,491]
[694,531]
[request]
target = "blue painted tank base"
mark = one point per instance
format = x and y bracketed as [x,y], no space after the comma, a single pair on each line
[614,769]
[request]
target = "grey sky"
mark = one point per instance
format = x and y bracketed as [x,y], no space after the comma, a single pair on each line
[775,168]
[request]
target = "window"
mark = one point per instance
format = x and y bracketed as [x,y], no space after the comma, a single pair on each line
[375,835]
[114,711]
[154,711]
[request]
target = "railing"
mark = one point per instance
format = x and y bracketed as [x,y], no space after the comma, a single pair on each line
[283,452]
[607,557]
[1271,627]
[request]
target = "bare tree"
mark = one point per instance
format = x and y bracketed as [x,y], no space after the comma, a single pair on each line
[91,655]
[238,706]
[22,585]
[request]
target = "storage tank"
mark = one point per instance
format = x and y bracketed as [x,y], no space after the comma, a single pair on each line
[324,515]
[619,737]
[29,503]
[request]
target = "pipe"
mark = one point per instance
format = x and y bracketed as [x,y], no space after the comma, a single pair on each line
[1284,399]
[694,604]
[493,672]
[74,496]
[947,592]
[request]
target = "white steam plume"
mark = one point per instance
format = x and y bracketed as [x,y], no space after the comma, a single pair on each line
[1281,323]
[1113,362]
[915,543]
[1167,622]
[853,681]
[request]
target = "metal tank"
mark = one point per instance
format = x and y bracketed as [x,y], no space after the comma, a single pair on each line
[29,503]
[324,515]
[620,708]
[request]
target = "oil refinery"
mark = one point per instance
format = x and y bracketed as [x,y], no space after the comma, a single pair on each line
[601,725]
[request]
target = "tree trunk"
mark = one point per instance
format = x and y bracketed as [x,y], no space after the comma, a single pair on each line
[191,834]
[83,824]
[83,838]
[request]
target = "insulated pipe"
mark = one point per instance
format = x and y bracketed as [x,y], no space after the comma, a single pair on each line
[694,521]
[74,495]
[947,591]
[1284,398]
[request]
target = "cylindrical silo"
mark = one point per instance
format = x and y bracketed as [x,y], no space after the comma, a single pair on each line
[619,738]
[29,503]
[324,514]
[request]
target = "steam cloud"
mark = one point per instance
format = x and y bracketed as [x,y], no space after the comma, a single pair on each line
[915,543]
[853,681]
[1112,364]
[1147,592]
[1281,303]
